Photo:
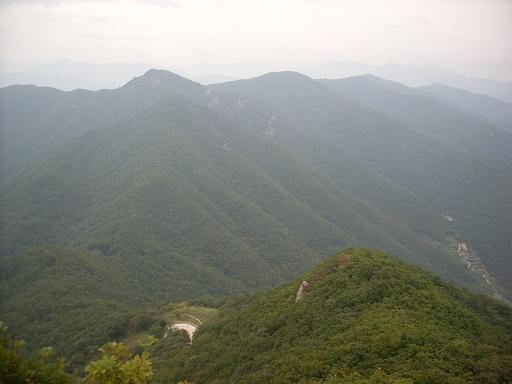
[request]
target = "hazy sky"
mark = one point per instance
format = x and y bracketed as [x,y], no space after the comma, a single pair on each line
[236,37]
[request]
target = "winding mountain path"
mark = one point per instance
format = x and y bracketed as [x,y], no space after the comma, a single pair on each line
[474,263]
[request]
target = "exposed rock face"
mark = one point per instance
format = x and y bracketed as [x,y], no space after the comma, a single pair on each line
[304,287]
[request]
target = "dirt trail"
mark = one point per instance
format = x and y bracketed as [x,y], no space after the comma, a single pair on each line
[187,327]
[195,318]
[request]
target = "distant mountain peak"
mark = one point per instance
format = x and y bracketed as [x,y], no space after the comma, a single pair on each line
[161,77]
[287,75]
[367,76]
[161,73]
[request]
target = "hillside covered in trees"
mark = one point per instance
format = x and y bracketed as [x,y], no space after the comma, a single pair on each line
[360,317]
[365,318]
[166,190]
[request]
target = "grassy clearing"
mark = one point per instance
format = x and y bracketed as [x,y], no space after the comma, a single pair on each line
[184,312]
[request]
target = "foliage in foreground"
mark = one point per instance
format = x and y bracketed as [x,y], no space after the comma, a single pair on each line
[15,367]
[117,365]
[366,319]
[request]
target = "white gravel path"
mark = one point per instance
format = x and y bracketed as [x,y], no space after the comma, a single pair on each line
[187,327]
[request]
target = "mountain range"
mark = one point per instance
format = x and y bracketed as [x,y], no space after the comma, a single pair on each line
[166,189]
[414,76]
[69,75]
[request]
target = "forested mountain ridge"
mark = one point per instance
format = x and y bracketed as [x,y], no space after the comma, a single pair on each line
[497,112]
[166,190]
[428,115]
[477,198]
[364,317]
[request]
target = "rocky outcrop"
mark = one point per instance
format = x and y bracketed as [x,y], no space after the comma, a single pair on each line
[304,287]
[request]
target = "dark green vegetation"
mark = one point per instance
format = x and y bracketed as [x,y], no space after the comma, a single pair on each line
[366,314]
[165,190]
[65,297]
[365,317]
[117,365]
[478,192]
[17,368]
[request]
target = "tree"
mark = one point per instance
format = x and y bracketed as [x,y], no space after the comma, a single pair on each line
[377,377]
[118,366]
[16,368]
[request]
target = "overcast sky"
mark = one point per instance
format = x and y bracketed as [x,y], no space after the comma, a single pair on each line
[472,37]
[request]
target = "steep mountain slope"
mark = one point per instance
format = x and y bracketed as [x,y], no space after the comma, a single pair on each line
[156,84]
[363,314]
[341,128]
[179,191]
[186,148]
[445,179]
[476,198]
[33,119]
[427,115]
[66,297]
[496,112]
[486,220]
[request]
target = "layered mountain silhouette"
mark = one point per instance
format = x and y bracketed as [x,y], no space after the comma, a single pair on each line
[493,110]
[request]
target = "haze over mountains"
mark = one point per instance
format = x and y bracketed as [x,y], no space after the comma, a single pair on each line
[213,192]
[69,75]
[429,116]
[165,189]
[415,76]
[493,110]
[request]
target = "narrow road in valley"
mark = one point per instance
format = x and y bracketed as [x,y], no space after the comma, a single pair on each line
[474,264]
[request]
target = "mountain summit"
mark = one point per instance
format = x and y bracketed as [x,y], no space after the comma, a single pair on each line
[160,77]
